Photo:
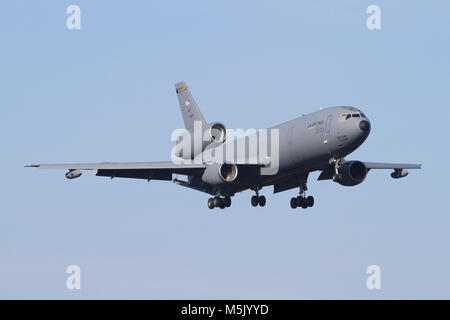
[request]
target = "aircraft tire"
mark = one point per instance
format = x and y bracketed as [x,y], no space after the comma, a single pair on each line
[211,203]
[254,201]
[293,203]
[310,201]
[300,202]
[227,200]
[262,201]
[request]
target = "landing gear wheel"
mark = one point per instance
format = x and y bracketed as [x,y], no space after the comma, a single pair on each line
[211,203]
[216,201]
[310,201]
[304,204]
[300,201]
[227,201]
[222,204]
[262,201]
[254,201]
[293,203]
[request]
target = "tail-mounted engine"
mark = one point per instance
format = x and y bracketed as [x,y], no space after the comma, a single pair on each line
[193,142]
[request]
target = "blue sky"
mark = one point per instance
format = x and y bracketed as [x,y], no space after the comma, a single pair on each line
[105,93]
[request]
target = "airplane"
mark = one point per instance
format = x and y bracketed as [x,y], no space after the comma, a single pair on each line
[318,141]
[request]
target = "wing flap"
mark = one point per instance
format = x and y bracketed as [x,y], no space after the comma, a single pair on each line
[148,174]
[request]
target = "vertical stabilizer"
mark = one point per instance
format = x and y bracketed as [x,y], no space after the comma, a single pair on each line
[188,107]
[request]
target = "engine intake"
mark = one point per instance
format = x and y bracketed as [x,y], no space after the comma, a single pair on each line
[220,173]
[217,132]
[350,173]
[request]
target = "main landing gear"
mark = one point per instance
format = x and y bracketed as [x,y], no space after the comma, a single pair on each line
[302,201]
[219,202]
[257,199]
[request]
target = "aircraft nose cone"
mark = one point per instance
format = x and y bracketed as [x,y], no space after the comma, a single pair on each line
[364,125]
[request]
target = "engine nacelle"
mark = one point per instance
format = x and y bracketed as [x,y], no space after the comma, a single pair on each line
[189,145]
[399,173]
[216,133]
[72,174]
[220,173]
[350,173]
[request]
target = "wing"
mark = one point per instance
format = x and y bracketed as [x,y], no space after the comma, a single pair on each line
[162,170]
[400,169]
[381,165]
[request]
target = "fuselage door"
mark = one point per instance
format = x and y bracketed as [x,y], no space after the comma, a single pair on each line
[290,134]
[328,124]
[291,152]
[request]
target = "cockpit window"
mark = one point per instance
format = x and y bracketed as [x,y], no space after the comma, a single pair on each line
[347,116]
[362,115]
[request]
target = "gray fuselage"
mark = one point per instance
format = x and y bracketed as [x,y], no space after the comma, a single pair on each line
[306,144]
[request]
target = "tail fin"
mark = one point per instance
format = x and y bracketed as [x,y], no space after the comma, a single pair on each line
[188,107]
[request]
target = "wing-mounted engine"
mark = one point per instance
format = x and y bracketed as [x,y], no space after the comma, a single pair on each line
[197,139]
[73,174]
[399,173]
[216,173]
[350,173]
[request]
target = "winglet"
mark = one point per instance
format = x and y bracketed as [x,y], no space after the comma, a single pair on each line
[32,166]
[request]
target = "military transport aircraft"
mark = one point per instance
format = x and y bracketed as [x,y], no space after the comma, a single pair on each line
[318,141]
